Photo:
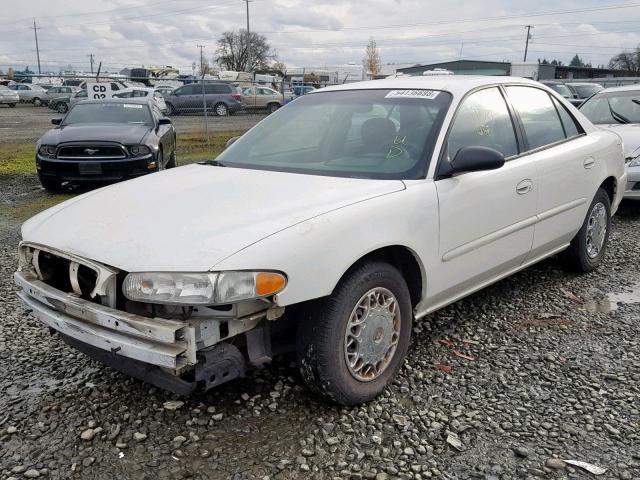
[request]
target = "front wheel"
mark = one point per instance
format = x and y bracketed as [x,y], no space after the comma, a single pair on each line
[37,102]
[62,107]
[12,105]
[588,247]
[351,344]
[173,161]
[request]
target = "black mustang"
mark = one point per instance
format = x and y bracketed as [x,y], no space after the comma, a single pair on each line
[106,140]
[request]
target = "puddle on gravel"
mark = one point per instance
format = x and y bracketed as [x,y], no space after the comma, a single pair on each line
[612,300]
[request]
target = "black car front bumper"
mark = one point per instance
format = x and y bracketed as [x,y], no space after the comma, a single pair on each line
[94,170]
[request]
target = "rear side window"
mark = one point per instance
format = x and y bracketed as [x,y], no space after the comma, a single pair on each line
[539,117]
[216,89]
[571,127]
[483,120]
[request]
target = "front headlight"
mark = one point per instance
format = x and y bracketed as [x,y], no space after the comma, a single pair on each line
[139,150]
[47,151]
[201,288]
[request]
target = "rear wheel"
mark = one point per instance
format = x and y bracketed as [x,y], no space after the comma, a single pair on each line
[12,105]
[588,247]
[51,185]
[221,109]
[37,102]
[351,344]
[273,107]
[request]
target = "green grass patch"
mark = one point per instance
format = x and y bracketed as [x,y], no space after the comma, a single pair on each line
[193,147]
[28,208]
[17,158]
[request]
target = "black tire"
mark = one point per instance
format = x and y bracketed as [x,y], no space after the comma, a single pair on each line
[51,185]
[221,109]
[12,105]
[37,102]
[321,336]
[577,256]
[272,107]
[62,107]
[171,110]
[173,161]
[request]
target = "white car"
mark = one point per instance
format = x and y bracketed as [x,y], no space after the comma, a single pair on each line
[618,109]
[390,200]
[142,92]
[8,96]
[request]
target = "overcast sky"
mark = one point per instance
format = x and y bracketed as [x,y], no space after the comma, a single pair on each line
[127,33]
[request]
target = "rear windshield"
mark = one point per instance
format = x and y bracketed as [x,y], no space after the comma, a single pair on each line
[127,113]
[356,133]
[613,107]
[585,91]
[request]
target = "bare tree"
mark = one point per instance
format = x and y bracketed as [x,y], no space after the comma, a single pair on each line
[372,59]
[233,53]
[279,66]
[627,61]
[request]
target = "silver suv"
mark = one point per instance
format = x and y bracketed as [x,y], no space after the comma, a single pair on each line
[221,99]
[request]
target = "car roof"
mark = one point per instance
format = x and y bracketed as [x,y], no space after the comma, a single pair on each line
[456,84]
[624,88]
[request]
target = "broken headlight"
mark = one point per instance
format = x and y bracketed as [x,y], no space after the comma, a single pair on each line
[201,288]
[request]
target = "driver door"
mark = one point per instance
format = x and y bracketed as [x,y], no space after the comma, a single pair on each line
[487,218]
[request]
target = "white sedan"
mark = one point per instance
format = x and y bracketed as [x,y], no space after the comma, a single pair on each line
[331,226]
[617,109]
[142,92]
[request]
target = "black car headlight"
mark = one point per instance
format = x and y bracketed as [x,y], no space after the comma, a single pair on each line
[48,151]
[139,150]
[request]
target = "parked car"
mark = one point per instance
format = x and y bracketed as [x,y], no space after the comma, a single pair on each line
[54,93]
[105,141]
[583,90]
[617,109]
[299,90]
[8,96]
[63,104]
[563,90]
[261,98]
[393,199]
[164,90]
[221,99]
[142,92]
[29,93]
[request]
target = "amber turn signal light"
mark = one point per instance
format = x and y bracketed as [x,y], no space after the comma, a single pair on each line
[268,283]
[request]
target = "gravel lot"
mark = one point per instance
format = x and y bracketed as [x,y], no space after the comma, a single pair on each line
[26,122]
[547,368]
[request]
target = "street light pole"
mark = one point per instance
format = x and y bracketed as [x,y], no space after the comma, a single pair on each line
[248,39]
[526,48]
[35,32]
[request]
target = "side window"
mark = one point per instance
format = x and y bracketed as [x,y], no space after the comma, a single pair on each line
[186,90]
[139,93]
[540,120]
[571,127]
[483,120]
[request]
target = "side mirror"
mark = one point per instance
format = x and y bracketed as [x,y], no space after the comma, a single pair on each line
[56,121]
[472,159]
[164,121]
[230,142]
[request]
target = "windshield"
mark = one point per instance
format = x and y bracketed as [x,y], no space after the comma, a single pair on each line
[355,133]
[614,107]
[561,89]
[128,113]
[585,91]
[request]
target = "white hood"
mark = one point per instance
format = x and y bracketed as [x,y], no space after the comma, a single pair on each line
[630,134]
[190,218]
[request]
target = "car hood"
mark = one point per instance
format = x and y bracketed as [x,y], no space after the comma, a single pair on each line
[125,134]
[190,218]
[630,134]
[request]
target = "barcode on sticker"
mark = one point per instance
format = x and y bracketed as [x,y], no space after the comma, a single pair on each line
[425,94]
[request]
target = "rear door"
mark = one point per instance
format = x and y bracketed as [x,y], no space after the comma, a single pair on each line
[486,217]
[565,162]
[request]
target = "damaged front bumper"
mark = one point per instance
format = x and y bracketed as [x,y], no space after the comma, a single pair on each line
[174,354]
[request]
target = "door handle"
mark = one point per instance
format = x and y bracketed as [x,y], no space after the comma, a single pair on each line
[524,187]
[589,162]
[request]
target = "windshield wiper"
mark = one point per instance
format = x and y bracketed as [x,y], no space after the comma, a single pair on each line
[213,163]
[617,116]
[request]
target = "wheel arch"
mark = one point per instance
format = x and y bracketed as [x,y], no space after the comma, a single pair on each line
[610,185]
[405,260]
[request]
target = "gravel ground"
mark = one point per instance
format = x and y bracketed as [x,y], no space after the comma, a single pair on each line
[28,123]
[540,367]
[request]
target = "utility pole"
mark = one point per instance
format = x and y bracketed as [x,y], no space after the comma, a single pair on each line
[35,32]
[526,48]
[248,40]
[201,60]
[91,60]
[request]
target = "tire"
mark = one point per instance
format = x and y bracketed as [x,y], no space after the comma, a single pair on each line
[584,254]
[51,185]
[37,102]
[160,160]
[62,107]
[273,107]
[12,105]
[323,341]
[221,109]
[171,110]
[173,162]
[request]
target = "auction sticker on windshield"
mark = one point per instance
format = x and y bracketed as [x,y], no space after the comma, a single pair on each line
[132,105]
[425,94]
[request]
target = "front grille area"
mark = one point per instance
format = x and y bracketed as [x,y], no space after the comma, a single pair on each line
[91,152]
[62,274]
